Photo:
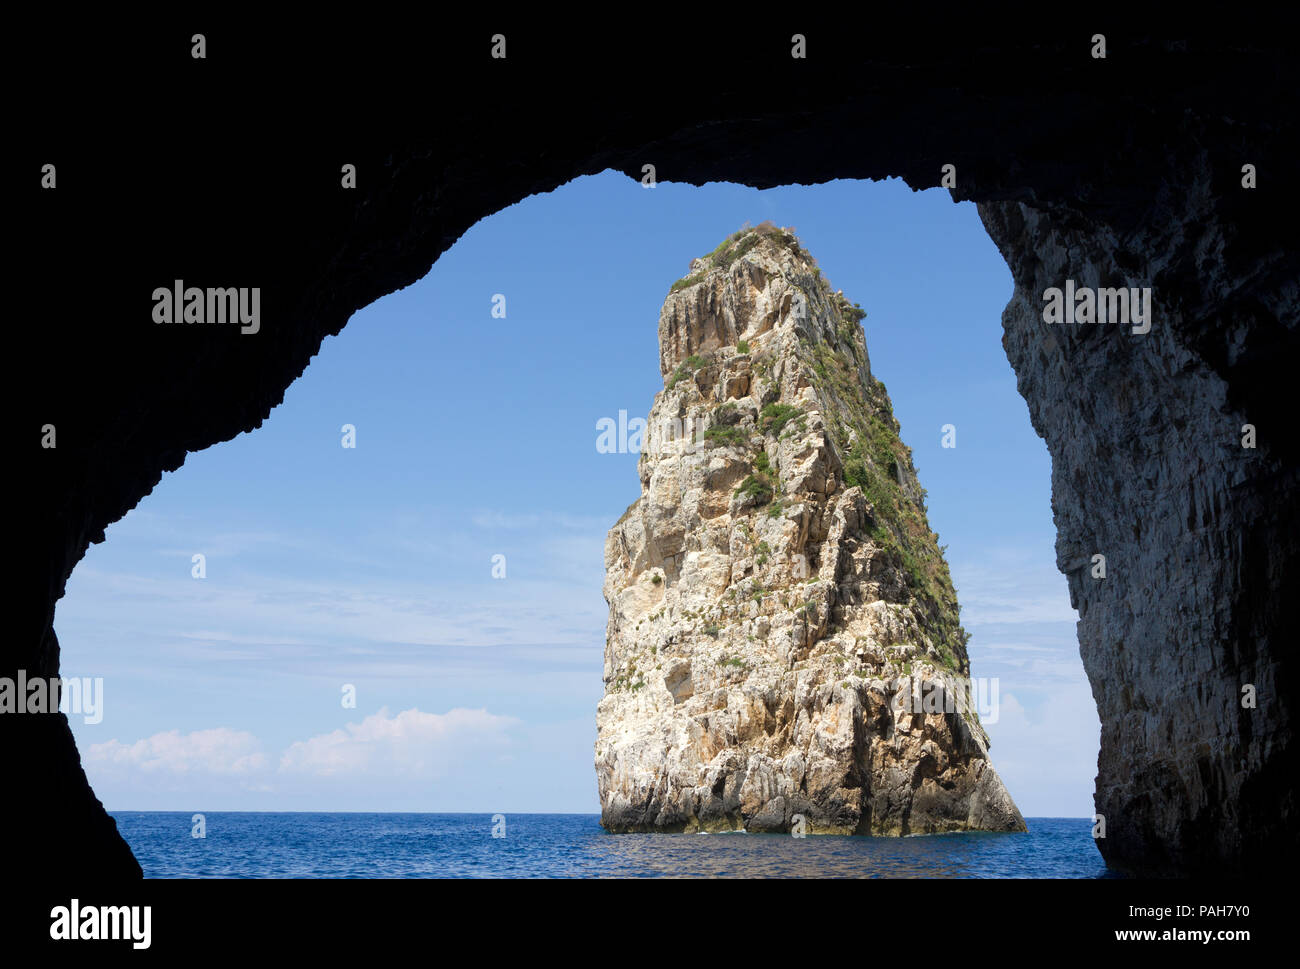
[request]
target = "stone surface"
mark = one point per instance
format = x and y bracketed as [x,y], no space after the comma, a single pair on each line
[783,638]
[1198,532]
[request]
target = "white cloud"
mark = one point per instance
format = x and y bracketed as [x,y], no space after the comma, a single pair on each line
[1011,586]
[514,520]
[220,750]
[1044,744]
[259,610]
[1046,752]
[402,745]
[406,761]
[409,744]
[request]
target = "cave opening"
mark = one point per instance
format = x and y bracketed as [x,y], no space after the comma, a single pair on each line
[1175,187]
[421,630]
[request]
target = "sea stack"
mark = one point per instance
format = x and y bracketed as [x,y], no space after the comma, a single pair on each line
[784,650]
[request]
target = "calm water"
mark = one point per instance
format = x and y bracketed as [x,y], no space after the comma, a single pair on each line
[240,845]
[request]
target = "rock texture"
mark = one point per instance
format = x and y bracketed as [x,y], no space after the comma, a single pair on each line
[1129,165]
[783,636]
[1180,638]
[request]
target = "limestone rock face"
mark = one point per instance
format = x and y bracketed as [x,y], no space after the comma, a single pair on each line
[783,647]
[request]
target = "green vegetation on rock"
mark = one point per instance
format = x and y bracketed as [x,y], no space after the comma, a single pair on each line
[687,368]
[776,415]
[736,245]
[860,421]
[725,435]
[756,487]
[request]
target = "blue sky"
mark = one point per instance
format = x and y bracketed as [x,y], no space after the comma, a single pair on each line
[475,436]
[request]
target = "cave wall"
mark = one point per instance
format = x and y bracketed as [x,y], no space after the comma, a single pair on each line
[225,172]
[1197,531]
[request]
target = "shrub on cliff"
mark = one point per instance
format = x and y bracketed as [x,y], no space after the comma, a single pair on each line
[775,416]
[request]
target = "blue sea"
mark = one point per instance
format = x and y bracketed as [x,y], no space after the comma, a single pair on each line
[301,845]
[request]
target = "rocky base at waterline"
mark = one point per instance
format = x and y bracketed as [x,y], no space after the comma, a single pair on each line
[783,647]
